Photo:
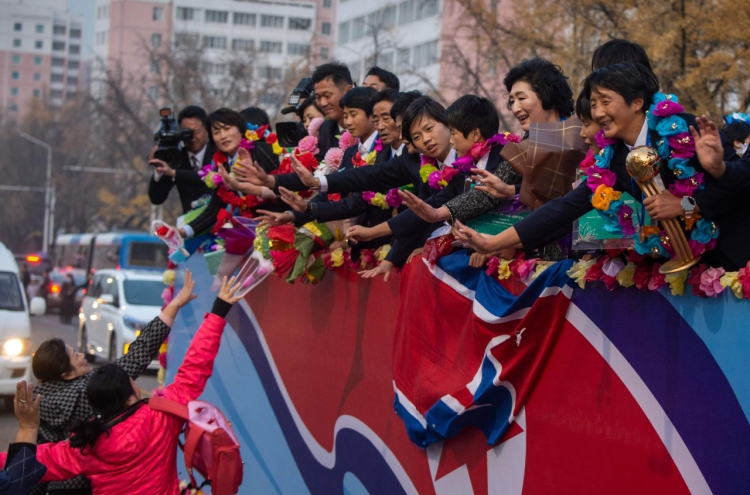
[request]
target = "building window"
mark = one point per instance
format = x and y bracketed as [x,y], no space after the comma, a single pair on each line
[185,14]
[274,21]
[425,54]
[15,75]
[58,46]
[242,44]
[16,59]
[271,47]
[74,64]
[56,78]
[17,26]
[158,14]
[153,92]
[405,12]
[324,53]
[326,28]
[13,107]
[156,40]
[344,32]
[426,8]
[37,77]
[266,72]
[299,23]
[219,16]
[58,62]
[38,45]
[72,81]
[16,43]
[297,48]
[402,59]
[327,4]
[215,42]
[389,17]
[37,93]
[154,66]
[70,94]
[59,30]
[74,49]
[243,19]
[359,28]
[40,28]
[187,40]
[385,61]
[212,69]
[75,33]
[55,94]
[14,91]
[37,60]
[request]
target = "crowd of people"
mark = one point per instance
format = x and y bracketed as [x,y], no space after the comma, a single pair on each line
[400,170]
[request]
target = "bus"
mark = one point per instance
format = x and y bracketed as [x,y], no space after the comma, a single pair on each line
[119,250]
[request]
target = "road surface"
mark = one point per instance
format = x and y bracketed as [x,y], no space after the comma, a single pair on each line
[43,328]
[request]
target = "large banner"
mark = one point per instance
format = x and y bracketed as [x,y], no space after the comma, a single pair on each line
[444,381]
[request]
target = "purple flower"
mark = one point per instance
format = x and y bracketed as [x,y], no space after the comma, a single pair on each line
[667,108]
[625,219]
[368,195]
[686,187]
[492,265]
[464,163]
[598,176]
[603,141]
[392,199]
[683,145]
[434,179]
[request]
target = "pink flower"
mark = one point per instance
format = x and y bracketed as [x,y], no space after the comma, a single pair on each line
[492,265]
[744,277]
[521,268]
[603,141]
[667,108]
[686,187]
[642,275]
[309,144]
[378,145]
[694,279]
[610,282]
[424,160]
[588,161]
[368,195]
[658,279]
[696,247]
[625,220]
[313,129]
[434,180]
[347,140]
[683,145]
[464,163]
[393,199]
[711,281]
[248,145]
[333,158]
[598,176]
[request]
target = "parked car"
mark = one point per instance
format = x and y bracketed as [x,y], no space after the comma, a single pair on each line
[15,326]
[54,288]
[118,304]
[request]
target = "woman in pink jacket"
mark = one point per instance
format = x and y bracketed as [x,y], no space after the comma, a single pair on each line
[129,448]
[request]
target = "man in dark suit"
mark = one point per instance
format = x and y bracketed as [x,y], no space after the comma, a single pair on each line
[193,156]
[331,82]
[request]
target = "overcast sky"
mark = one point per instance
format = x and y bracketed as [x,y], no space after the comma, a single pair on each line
[87,10]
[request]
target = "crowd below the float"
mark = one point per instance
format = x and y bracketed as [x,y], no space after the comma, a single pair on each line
[381,177]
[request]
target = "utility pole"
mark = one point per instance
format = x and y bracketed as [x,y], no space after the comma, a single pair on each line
[48,193]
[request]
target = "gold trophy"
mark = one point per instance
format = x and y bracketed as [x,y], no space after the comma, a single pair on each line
[642,164]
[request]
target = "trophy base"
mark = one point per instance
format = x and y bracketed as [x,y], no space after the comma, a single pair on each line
[675,266]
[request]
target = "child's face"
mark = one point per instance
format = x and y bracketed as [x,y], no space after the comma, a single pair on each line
[462,144]
[357,122]
[431,138]
[612,113]
[589,130]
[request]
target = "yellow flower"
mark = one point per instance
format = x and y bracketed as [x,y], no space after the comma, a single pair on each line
[730,280]
[503,269]
[384,250]
[168,277]
[277,149]
[578,272]
[677,282]
[379,201]
[337,257]
[625,276]
[425,171]
[370,158]
[540,267]
[603,196]
[313,228]
[443,183]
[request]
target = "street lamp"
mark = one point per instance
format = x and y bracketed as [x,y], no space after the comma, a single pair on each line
[49,218]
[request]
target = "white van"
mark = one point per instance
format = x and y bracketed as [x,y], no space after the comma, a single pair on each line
[15,327]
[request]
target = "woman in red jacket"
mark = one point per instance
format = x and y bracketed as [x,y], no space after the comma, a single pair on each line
[127,448]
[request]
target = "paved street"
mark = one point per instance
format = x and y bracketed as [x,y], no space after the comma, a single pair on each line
[43,328]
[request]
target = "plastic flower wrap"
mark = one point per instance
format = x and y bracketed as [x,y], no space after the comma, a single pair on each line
[711,281]
[578,272]
[313,129]
[309,144]
[676,282]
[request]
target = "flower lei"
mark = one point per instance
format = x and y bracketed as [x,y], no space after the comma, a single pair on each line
[357,161]
[437,179]
[675,145]
[468,161]
[380,200]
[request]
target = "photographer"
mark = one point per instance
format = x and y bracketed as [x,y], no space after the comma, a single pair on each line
[195,153]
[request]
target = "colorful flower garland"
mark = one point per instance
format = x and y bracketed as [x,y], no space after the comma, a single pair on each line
[357,161]
[437,179]
[469,161]
[677,146]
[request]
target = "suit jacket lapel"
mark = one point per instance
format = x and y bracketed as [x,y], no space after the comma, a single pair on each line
[493,161]
[384,155]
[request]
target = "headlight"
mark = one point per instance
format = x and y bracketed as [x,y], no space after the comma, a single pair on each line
[14,347]
[133,324]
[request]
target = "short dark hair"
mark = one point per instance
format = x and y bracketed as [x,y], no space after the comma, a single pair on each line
[629,80]
[617,51]
[402,103]
[192,112]
[338,72]
[473,112]
[309,101]
[256,116]
[386,77]
[737,131]
[386,95]
[51,361]
[228,117]
[583,107]
[107,391]
[547,81]
[359,98]
[422,107]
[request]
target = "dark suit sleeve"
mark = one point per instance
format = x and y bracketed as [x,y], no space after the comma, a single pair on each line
[737,174]
[289,181]
[187,177]
[544,224]
[348,207]
[388,175]
[403,247]
[207,218]
[158,191]
[262,153]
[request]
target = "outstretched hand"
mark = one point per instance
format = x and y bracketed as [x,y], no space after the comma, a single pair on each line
[249,171]
[230,181]
[422,209]
[294,200]
[471,238]
[358,233]
[304,175]
[273,219]
[492,184]
[384,268]
[186,293]
[708,146]
[228,290]
[26,407]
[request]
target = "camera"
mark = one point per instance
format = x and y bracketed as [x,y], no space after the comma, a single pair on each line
[290,133]
[299,94]
[168,138]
